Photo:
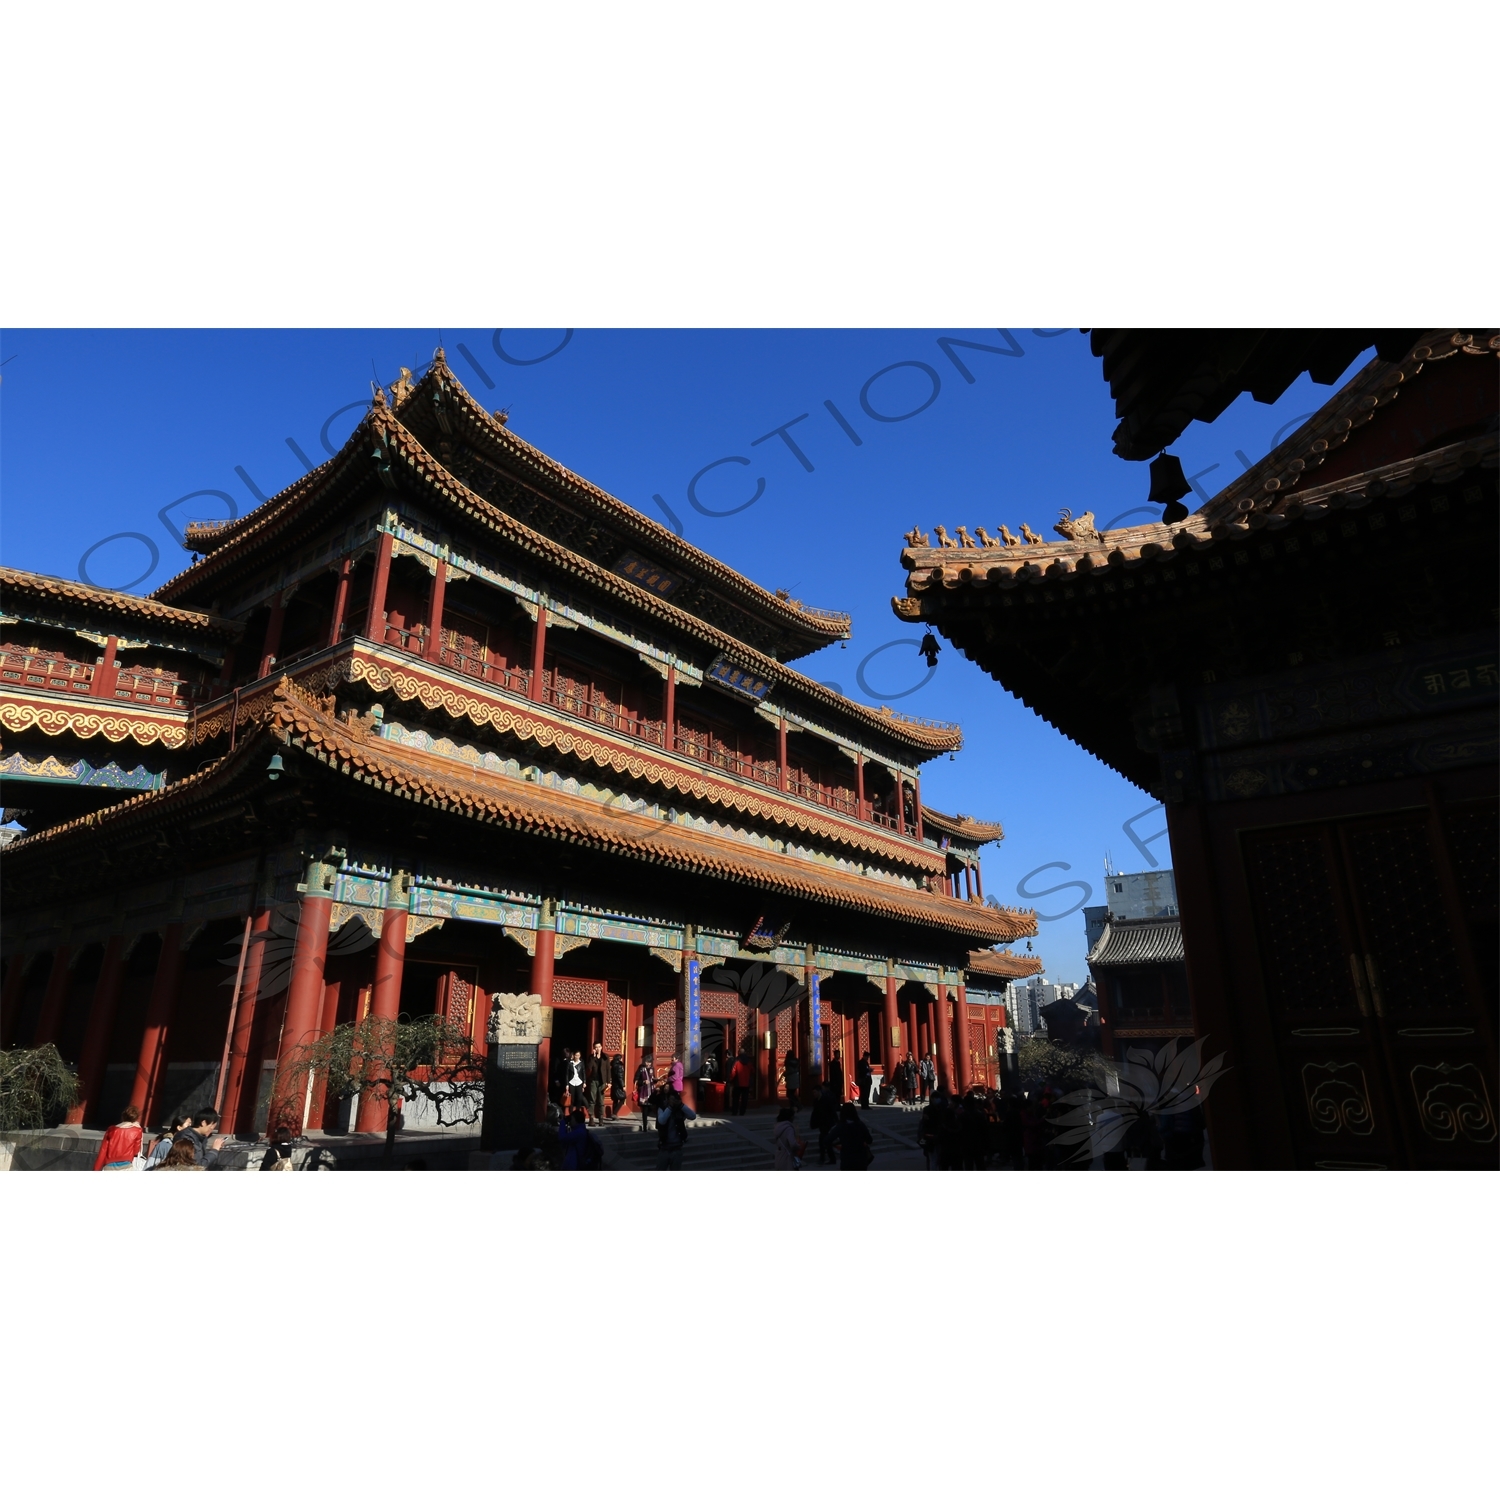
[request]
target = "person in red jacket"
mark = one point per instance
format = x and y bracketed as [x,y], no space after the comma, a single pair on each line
[741,1077]
[121,1144]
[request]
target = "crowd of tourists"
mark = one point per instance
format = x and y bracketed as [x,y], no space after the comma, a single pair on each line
[182,1144]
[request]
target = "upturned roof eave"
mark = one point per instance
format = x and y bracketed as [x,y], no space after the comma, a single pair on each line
[820,627]
[114,601]
[300,726]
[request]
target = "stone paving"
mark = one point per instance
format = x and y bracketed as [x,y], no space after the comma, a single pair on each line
[727,1143]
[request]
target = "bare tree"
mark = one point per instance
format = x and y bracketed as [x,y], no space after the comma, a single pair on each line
[37,1088]
[400,1062]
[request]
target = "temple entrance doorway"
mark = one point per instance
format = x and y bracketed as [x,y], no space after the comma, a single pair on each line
[573,1030]
[720,1038]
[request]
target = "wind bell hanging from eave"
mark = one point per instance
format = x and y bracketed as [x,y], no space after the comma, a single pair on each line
[1168,486]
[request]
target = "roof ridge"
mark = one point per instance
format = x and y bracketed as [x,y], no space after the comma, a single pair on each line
[662,535]
[768,665]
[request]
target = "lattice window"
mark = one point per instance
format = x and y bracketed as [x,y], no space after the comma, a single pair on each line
[1405,915]
[614,1022]
[1307,965]
[586,993]
[664,1029]
[460,1003]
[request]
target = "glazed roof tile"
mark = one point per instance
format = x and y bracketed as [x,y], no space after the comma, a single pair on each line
[1271,495]
[585,744]
[961,825]
[828,625]
[42,586]
[398,443]
[472,792]
[1003,965]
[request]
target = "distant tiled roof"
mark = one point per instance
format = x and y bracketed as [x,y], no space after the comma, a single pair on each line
[1151,940]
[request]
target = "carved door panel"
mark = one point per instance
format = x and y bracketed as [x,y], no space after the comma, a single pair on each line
[1422,989]
[1334,1080]
[1375,994]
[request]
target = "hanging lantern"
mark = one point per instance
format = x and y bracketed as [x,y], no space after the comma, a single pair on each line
[1168,486]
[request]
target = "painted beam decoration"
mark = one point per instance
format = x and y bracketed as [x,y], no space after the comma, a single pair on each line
[739,680]
[650,577]
[21,766]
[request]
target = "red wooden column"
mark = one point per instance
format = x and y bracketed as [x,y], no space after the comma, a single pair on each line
[538,658]
[965,1060]
[340,602]
[922,1012]
[900,805]
[669,710]
[375,614]
[385,995]
[916,797]
[101,1024]
[946,1075]
[304,996]
[273,636]
[158,1019]
[889,1047]
[106,674]
[542,965]
[781,777]
[978,880]
[434,643]
[50,1017]
[10,998]
[765,1059]
[859,787]
[244,1058]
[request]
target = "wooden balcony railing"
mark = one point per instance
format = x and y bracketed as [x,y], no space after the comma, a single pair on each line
[579,701]
[143,685]
[37,670]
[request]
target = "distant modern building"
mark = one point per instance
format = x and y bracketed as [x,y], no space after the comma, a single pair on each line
[1027,1001]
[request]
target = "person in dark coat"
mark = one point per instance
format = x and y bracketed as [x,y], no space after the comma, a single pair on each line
[791,1070]
[836,1075]
[645,1087]
[854,1142]
[824,1119]
[950,1142]
[863,1075]
[616,1084]
[596,1081]
[971,1133]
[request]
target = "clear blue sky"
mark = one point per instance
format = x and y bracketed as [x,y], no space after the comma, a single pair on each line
[102,430]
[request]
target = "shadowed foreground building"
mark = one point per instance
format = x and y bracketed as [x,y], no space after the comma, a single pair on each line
[1305,672]
[443,720]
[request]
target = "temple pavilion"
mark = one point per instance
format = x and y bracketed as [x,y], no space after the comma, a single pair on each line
[1304,672]
[443,720]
